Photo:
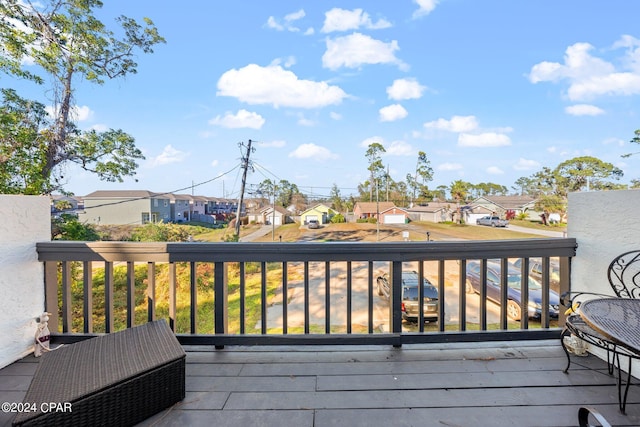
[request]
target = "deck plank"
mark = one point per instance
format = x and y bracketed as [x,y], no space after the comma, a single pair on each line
[460,384]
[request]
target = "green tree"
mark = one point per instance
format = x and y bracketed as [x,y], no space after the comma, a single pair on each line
[22,144]
[423,174]
[336,198]
[581,172]
[67,227]
[375,168]
[525,186]
[68,45]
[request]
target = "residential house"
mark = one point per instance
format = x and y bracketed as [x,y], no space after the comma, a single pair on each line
[130,207]
[394,215]
[181,209]
[276,217]
[371,209]
[501,204]
[221,206]
[198,206]
[321,213]
[432,212]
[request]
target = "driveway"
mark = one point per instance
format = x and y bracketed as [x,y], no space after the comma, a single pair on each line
[360,297]
[256,234]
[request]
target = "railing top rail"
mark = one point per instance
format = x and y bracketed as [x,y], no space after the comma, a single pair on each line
[326,251]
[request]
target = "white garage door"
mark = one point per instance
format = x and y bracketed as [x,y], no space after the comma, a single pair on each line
[311,217]
[394,219]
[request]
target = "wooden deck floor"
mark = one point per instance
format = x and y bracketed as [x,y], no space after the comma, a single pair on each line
[467,384]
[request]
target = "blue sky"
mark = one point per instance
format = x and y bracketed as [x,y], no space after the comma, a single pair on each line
[491,90]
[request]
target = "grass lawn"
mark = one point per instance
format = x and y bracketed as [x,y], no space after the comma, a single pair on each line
[365,232]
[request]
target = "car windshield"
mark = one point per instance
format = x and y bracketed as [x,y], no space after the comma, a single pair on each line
[515,282]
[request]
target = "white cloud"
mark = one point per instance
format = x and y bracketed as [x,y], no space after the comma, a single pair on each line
[242,119]
[335,116]
[357,49]
[399,148]
[303,121]
[272,144]
[392,113]
[402,89]
[273,24]
[81,113]
[294,16]
[487,139]
[494,170]
[274,85]
[583,110]
[371,140]
[345,20]
[289,19]
[168,155]
[425,7]
[214,163]
[312,151]
[78,113]
[449,167]
[526,165]
[457,124]
[589,76]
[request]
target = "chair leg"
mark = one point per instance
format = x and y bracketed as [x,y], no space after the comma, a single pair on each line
[611,352]
[565,333]
[622,398]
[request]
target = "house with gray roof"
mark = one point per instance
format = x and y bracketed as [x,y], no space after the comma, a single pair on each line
[125,207]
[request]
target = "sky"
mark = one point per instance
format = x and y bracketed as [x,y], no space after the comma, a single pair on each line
[490,90]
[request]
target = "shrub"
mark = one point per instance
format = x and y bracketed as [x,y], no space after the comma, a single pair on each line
[338,218]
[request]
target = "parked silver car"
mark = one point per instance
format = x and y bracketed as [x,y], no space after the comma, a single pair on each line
[493,221]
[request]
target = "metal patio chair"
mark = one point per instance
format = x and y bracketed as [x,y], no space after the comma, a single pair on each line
[624,277]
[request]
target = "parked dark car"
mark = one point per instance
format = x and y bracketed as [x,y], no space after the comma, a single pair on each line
[514,297]
[411,295]
[535,271]
[493,221]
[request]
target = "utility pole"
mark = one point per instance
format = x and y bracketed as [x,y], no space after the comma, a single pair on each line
[245,165]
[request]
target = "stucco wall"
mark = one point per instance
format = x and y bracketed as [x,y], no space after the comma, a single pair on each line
[25,221]
[605,224]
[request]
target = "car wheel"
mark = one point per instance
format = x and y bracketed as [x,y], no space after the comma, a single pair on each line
[513,310]
[469,287]
[493,224]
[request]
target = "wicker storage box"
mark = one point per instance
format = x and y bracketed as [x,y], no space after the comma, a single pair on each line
[115,379]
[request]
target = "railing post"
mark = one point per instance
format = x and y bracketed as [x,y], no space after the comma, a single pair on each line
[221,312]
[51,294]
[395,298]
[565,286]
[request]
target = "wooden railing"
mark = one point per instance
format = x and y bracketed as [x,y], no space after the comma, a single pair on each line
[295,293]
